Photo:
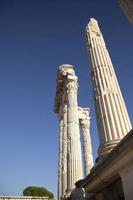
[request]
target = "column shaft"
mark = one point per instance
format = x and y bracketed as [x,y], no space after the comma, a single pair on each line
[74,146]
[87,147]
[60,155]
[84,120]
[64,151]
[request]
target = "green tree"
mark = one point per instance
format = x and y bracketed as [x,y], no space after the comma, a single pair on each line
[37,191]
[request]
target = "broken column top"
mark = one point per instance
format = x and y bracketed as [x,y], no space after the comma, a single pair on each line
[93,32]
[93,25]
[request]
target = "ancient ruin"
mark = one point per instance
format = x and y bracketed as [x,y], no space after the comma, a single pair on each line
[112,117]
[70,167]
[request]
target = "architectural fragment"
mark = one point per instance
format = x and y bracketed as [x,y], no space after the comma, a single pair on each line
[112,117]
[112,179]
[84,120]
[70,167]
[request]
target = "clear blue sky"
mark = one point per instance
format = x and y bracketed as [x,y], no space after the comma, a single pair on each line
[36,37]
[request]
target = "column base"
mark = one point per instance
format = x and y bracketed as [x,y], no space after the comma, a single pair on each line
[104,151]
[107,147]
[68,191]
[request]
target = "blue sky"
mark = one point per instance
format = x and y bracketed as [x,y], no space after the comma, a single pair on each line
[36,37]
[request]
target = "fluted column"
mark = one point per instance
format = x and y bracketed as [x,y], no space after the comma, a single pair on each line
[64,150]
[70,169]
[112,117]
[60,155]
[87,147]
[74,165]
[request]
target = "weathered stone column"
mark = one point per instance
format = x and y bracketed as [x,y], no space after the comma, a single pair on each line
[74,167]
[60,154]
[64,150]
[87,146]
[112,117]
[70,161]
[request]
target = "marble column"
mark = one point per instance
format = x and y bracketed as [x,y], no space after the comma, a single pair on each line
[87,146]
[70,158]
[64,150]
[60,155]
[74,162]
[112,117]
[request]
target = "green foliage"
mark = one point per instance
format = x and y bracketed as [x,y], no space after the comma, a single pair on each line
[38,192]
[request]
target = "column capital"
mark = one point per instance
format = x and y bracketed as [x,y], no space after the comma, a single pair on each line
[85,123]
[84,117]
[72,86]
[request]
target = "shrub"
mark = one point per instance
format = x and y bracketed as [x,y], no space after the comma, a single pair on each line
[37,191]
